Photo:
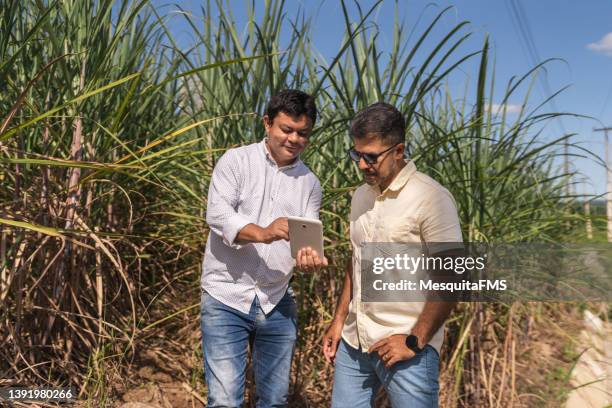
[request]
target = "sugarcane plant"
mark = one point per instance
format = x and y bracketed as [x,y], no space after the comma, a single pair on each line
[110,127]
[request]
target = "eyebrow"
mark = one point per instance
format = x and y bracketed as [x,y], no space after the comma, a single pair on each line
[362,152]
[304,129]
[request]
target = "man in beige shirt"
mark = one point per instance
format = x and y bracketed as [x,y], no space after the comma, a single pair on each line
[393,344]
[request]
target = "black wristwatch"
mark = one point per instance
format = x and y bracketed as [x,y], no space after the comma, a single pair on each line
[412,342]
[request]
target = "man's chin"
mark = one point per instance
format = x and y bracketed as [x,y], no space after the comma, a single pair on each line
[372,181]
[291,157]
[291,154]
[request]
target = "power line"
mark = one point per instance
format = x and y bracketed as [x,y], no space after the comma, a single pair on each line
[523,29]
[526,35]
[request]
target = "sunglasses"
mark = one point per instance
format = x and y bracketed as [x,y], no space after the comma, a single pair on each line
[369,158]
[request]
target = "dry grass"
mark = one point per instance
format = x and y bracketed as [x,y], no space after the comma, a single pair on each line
[107,139]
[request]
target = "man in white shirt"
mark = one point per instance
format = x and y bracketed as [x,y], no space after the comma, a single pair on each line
[391,344]
[247,264]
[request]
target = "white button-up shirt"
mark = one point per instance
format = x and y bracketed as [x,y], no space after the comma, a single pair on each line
[248,187]
[414,208]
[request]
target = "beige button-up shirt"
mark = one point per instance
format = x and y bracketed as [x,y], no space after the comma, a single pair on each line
[414,208]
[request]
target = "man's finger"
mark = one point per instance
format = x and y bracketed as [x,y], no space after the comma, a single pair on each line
[298,259]
[305,265]
[309,258]
[329,349]
[333,348]
[392,361]
[326,352]
[376,345]
[310,261]
[319,262]
[384,350]
[315,257]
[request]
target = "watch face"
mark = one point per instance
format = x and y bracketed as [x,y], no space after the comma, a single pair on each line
[412,342]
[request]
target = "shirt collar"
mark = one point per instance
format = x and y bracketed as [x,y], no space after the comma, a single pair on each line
[400,179]
[264,149]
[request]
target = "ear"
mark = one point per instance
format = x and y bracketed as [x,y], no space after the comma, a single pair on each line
[267,123]
[399,152]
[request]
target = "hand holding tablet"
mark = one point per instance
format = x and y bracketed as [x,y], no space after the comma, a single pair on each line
[306,241]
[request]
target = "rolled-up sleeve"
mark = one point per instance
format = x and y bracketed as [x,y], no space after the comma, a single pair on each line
[440,221]
[314,201]
[223,198]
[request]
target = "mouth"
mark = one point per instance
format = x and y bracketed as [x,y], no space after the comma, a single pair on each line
[369,176]
[291,149]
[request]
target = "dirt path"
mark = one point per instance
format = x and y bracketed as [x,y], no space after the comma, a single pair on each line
[592,375]
[154,387]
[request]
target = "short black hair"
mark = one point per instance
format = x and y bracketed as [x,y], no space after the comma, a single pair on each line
[294,103]
[381,119]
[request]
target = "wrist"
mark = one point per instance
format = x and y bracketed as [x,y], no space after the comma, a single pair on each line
[421,335]
[415,343]
[338,320]
[263,235]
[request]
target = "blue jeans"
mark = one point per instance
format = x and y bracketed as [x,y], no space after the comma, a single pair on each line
[409,384]
[225,342]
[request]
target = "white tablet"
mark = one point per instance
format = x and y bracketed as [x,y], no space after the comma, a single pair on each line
[305,232]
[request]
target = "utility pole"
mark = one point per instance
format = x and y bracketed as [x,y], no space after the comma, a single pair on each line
[608,180]
[587,211]
[566,169]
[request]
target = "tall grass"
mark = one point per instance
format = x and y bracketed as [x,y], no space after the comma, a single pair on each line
[83,96]
[110,131]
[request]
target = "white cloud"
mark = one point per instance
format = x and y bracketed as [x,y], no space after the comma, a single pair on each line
[510,108]
[603,46]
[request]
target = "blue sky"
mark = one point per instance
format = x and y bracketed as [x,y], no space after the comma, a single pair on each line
[574,31]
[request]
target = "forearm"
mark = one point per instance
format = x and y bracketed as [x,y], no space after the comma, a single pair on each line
[251,233]
[346,295]
[432,317]
[435,312]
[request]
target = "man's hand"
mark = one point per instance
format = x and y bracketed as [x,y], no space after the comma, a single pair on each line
[278,229]
[331,339]
[392,349]
[307,260]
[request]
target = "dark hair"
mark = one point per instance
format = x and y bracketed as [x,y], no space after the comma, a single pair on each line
[381,119]
[293,103]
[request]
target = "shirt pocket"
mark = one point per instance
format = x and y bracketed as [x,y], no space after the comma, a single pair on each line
[406,229]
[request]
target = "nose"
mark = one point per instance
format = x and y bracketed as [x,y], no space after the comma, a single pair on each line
[294,138]
[362,164]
